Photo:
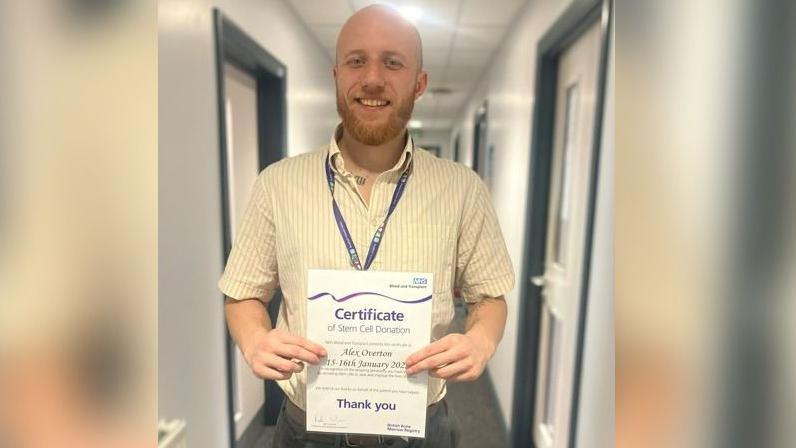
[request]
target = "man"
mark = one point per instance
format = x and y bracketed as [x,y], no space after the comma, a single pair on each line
[443,224]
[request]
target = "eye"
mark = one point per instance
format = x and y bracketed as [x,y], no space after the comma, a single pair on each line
[393,63]
[356,61]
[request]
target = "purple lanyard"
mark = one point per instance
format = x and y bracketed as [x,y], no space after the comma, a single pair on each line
[341,225]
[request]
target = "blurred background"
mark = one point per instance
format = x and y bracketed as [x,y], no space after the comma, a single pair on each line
[78,223]
[245,83]
[131,132]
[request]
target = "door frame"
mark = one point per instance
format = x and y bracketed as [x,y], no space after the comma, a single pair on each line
[456,146]
[576,19]
[479,136]
[234,46]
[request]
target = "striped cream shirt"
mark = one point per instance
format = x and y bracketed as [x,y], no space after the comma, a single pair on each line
[444,224]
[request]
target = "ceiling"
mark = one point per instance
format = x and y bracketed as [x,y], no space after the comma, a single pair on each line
[459,38]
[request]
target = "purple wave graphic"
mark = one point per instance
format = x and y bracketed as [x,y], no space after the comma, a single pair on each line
[364,293]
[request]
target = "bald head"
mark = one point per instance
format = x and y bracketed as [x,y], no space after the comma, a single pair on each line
[378,75]
[380,24]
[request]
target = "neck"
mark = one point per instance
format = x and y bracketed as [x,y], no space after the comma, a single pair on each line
[372,159]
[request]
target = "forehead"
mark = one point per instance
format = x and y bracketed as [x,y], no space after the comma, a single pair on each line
[377,33]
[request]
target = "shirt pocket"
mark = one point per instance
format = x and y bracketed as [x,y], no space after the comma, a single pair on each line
[436,253]
[427,248]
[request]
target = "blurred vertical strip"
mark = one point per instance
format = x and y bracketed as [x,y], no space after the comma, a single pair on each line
[78,224]
[758,384]
[705,219]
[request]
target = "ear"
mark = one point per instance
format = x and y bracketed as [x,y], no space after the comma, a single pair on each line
[422,83]
[334,72]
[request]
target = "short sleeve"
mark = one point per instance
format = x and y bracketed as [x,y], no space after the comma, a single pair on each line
[483,266]
[251,270]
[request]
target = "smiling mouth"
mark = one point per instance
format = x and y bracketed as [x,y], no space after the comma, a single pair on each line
[372,102]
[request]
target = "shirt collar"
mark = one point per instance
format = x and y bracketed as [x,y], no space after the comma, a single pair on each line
[338,164]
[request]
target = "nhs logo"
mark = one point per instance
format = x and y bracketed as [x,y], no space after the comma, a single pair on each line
[420,281]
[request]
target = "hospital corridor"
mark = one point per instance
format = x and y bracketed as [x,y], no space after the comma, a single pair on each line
[518,91]
[397,223]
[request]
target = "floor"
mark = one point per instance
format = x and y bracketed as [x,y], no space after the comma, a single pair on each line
[473,405]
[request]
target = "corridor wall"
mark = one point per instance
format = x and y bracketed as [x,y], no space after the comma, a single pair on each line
[508,85]
[191,354]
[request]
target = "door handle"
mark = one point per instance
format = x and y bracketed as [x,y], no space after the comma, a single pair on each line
[543,281]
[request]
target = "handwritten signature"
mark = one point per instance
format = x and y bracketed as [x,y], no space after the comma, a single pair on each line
[329,420]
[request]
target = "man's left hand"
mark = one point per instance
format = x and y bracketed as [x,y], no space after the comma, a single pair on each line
[455,357]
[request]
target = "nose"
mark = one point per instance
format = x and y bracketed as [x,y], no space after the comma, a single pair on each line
[373,77]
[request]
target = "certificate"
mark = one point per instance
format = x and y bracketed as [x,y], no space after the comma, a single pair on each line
[369,322]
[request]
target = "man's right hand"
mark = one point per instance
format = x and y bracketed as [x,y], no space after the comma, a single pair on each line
[276,354]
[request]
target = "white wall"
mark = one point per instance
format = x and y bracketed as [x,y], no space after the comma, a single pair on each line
[191,371]
[509,87]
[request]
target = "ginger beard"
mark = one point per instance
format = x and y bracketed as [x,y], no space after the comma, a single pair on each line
[373,133]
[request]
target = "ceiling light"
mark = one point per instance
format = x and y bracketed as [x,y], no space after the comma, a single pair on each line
[411,13]
[415,124]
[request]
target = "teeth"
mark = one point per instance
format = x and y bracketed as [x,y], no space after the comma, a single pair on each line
[373,103]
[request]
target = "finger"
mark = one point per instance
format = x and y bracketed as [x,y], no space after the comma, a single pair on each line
[304,343]
[469,375]
[436,361]
[283,365]
[452,370]
[267,373]
[295,351]
[429,350]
